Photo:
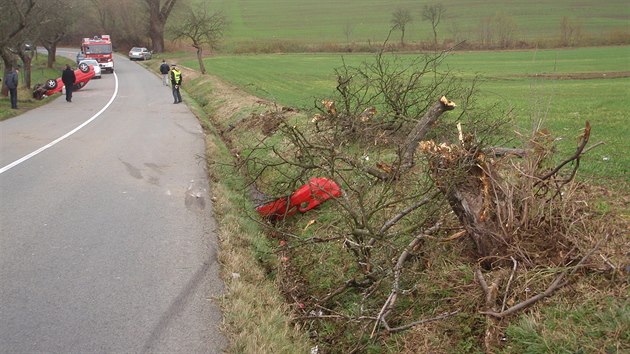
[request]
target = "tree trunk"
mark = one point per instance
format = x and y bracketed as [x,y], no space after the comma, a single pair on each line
[27,71]
[464,177]
[27,57]
[157,21]
[157,35]
[472,205]
[202,68]
[9,60]
[421,129]
[52,54]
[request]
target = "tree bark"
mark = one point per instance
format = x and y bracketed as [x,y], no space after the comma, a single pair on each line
[471,204]
[466,180]
[157,36]
[51,48]
[202,67]
[421,129]
[50,43]
[157,17]
[26,60]
[9,60]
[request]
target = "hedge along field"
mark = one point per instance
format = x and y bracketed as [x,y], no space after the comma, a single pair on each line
[369,20]
[510,78]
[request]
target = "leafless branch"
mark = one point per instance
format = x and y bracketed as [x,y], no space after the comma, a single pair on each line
[391,300]
[420,130]
[507,287]
[406,211]
[412,324]
[575,157]
[502,151]
[555,285]
[352,283]
[592,147]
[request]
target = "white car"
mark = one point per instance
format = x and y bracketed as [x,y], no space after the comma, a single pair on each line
[94,63]
[137,53]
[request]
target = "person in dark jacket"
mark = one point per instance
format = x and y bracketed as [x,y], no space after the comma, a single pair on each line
[164,69]
[176,82]
[11,81]
[68,78]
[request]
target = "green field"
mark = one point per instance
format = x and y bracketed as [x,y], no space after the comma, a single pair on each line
[509,78]
[369,20]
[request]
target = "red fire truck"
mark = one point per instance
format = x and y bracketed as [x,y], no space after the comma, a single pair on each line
[100,49]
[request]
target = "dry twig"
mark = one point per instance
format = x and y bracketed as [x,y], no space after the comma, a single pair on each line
[391,299]
[558,283]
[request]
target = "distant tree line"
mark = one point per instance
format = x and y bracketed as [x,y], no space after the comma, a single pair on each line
[26,24]
[495,31]
[29,23]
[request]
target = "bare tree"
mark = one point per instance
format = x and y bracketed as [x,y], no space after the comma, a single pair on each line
[24,23]
[486,32]
[506,28]
[457,33]
[565,31]
[125,20]
[570,31]
[26,52]
[159,10]
[433,13]
[15,20]
[348,29]
[61,18]
[50,42]
[400,18]
[201,28]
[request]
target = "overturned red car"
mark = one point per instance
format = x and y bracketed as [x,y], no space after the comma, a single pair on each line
[305,198]
[84,73]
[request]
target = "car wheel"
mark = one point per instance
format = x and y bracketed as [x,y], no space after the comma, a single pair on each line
[84,68]
[51,84]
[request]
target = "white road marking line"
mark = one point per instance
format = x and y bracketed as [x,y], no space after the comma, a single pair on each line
[53,143]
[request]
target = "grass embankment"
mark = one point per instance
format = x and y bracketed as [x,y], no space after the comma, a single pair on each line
[257,320]
[39,74]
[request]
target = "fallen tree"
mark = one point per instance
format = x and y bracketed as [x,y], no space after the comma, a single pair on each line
[407,197]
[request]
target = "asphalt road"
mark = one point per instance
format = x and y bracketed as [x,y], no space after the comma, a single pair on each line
[107,240]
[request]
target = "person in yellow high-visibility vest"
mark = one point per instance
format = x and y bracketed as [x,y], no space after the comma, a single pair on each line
[176,82]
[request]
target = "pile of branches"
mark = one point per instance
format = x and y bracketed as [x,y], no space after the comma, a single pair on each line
[404,191]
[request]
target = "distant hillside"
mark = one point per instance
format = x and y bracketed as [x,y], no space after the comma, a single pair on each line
[363,21]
